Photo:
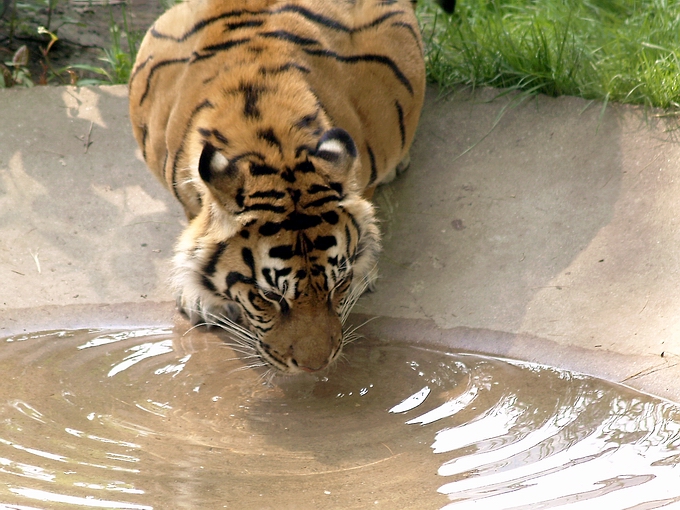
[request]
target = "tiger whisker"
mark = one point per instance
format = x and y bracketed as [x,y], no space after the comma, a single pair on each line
[238,345]
[241,358]
[242,341]
[195,326]
[267,376]
[225,323]
[355,294]
[248,367]
[245,354]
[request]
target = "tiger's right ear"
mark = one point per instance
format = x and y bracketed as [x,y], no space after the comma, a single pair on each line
[222,178]
[337,147]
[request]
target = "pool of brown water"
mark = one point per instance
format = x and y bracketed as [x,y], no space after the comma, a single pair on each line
[151,418]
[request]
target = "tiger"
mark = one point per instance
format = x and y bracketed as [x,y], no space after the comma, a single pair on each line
[272,122]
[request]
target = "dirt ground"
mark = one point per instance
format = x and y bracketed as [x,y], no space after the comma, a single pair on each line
[83,28]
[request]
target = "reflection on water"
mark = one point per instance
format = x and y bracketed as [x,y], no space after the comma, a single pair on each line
[149,418]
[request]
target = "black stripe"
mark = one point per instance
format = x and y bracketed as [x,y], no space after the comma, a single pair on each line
[317,188]
[407,26]
[297,221]
[208,284]
[307,120]
[283,252]
[279,209]
[254,319]
[348,240]
[312,16]
[355,223]
[285,68]
[267,273]
[257,170]
[269,229]
[250,154]
[374,169]
[330,217]
[248,259]
[284,35]
[270,137]
[243,24]
[210,268]
[324,242]
[280,273]
[321,201]
[235,277]
[368,57]
[337,187]
[200,25]
[304,148]
[268,194]
[295,195]
[139,68]
[402,129]
[305,167]
[220,137]
[207,133]
[197,57]
[145,136]
[239,198]
[306,13]
[251,96]
[378,20]
[252,297]
[225,45]
[156,67]
[332,23]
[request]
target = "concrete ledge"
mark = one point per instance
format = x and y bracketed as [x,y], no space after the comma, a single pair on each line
[545,231]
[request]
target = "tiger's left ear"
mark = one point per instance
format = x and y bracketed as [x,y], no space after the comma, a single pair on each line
[223,179]
[337,147]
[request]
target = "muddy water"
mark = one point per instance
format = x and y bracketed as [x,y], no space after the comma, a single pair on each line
[145,419]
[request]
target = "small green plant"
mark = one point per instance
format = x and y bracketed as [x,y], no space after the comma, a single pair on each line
[118,61]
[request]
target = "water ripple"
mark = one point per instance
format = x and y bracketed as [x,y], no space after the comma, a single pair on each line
[151,418]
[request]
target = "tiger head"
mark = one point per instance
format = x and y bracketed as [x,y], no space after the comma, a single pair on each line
[282,238]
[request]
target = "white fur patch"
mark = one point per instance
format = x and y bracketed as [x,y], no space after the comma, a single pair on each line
[219,162]
[333,146]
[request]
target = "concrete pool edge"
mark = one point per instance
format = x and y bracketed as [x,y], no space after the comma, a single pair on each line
[87,316]
[654,375]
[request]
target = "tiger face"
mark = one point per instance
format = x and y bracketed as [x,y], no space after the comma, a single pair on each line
[290,253]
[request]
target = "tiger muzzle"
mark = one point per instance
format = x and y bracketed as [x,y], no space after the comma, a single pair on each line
[306,339]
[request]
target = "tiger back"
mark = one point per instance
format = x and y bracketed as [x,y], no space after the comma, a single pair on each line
[272,122]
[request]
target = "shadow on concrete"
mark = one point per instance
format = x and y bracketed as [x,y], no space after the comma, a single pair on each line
[471,237]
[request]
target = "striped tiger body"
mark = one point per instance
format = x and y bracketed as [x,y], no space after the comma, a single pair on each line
[272,122]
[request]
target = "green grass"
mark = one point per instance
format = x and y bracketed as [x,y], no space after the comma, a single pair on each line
[611,50]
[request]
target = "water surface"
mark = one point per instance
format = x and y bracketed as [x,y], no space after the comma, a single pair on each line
[150,418]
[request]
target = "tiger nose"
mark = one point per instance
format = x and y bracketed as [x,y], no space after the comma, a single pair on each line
[311,370]
[311,364]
